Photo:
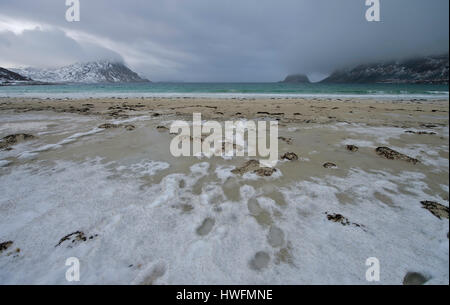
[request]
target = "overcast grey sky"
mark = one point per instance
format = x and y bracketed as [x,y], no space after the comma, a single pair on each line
[212,40]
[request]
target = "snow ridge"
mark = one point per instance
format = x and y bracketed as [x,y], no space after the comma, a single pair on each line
[90,72]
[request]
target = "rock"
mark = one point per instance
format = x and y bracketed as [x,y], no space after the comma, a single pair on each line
[414,278]
[253,166]
[289,156]
[329,165]
[287,140]
[338,218]
[13,139]
[75,237]
[111,126]
[438,210]
[265,171]
[420,132]
[162,128]
[248,166]
[108,126]
[5,245]
[129,127]
[391,154]
[268,113]
[352,148]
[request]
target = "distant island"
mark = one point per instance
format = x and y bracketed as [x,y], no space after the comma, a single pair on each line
[89,72]
[296,78]
[422,70]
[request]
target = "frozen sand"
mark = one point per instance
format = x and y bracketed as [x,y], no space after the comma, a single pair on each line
[156,219]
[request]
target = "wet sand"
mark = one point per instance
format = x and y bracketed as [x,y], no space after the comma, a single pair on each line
[410,113]
[157,219]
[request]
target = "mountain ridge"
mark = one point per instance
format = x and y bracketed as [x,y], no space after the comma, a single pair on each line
[88,72]
[11,77]
[419,70]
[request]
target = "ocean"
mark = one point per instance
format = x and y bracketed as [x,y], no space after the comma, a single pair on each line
[230,90]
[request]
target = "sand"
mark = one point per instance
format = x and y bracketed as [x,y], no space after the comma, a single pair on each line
[157,219]
[411,113]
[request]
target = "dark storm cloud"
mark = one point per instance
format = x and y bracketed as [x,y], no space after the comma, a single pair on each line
[48,48]
[207,40]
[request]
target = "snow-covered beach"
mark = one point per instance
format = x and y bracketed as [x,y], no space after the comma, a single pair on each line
[114,197]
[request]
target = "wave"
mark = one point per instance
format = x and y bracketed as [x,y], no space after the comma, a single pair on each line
[227,91]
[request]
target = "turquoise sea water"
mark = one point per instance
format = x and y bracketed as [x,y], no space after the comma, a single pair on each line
[228,90]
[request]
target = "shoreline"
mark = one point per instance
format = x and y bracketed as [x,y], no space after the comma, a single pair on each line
[244,96]
[410,113]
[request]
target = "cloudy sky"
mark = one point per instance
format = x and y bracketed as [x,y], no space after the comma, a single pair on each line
[218,40]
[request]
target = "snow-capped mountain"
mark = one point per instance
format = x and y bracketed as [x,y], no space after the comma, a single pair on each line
[423,70]
[90,72]
[9,77]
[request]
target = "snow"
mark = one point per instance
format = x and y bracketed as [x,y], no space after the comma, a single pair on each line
[145,215]
[65,141]
[143,227]
[89,72]
[4,163]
